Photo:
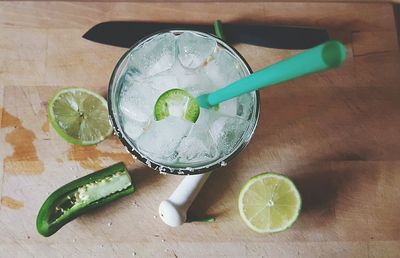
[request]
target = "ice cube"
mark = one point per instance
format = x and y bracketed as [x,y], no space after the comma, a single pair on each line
[223,69]
[163,137]
[154,56]
[193,50]
[196,84]
[229,107]
[177,107]
[205,118]
[132,129]
[138,99]
[162,81]
[197,148]
[199,145]
[193,81]
[241,106]
[245,105]
[227,132]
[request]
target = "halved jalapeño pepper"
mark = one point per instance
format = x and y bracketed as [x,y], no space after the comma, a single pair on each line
[82,195]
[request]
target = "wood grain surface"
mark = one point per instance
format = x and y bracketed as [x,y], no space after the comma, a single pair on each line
[336,134]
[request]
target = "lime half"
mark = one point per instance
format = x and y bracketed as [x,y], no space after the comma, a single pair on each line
[177,102]
[79,116]
[269,203]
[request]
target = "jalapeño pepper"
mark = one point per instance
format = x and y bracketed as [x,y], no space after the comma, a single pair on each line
[82,195]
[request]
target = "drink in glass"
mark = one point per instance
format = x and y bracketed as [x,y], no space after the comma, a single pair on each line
[197,63]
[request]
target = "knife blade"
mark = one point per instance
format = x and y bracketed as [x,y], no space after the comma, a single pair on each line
[127,33]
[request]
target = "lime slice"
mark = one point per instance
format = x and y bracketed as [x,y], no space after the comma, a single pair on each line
[79,116]
[269,203]
[176,102]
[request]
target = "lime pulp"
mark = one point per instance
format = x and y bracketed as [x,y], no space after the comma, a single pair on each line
[79,116]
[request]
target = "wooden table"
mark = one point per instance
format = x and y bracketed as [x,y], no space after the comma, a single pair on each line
[336,134]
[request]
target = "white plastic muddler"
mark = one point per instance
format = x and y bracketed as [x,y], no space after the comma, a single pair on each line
[173,210]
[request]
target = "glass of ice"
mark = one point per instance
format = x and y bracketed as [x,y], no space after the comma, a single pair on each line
[198,63]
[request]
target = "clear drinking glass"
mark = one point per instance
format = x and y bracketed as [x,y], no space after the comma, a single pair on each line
[116,117]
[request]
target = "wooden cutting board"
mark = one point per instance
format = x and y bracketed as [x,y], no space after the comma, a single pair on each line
[336,134]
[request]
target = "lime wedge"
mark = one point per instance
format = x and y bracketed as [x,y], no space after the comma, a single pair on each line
[269,203]
[79,116]
[176,102]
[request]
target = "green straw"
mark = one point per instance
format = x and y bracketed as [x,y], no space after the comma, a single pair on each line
[331,54]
